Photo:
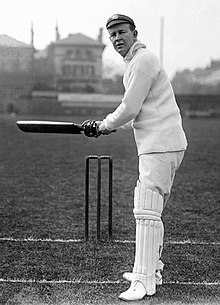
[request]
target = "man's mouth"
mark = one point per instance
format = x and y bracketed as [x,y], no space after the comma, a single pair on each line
[119,46]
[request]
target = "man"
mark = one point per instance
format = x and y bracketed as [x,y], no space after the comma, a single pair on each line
[149,107]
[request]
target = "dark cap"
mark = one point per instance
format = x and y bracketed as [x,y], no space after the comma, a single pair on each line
[117,19]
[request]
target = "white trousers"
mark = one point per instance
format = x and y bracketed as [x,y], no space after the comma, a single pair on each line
[156,176]
[157,171]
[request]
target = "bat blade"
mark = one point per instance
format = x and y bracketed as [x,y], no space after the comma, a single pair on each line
[50,127]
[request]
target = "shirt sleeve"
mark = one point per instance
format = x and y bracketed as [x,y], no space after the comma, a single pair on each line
[139,84]
[127,126]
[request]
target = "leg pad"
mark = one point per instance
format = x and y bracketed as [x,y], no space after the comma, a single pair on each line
[148,206]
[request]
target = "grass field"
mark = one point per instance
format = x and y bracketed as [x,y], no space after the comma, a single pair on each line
[44,259]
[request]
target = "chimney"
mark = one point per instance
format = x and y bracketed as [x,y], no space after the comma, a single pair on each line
[100,36]
[32,34]
[57,31]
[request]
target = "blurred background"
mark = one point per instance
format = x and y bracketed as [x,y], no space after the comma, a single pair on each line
[56,56]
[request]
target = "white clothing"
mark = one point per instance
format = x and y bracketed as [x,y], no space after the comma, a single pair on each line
[157,171]
[148,105]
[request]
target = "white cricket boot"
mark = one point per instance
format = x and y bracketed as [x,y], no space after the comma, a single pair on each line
[136,292]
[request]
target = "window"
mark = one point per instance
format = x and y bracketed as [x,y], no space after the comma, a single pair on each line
[78,53]
[69,53]
[78,70]
[89,54]
[89,71]
[66,69]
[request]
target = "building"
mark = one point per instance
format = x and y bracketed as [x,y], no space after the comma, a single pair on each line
[198,81]
[72,64]
[16,66]
[76,63]
[15,56]
[209,76]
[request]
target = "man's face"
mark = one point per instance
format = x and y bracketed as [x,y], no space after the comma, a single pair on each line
[122,37]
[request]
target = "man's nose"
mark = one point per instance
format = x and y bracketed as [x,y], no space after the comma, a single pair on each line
[117,36]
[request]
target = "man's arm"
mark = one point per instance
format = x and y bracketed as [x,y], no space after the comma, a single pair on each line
[138,88]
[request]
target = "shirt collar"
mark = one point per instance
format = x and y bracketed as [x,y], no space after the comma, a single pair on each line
[133,49]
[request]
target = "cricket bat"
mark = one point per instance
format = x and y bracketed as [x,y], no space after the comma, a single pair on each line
[50,127]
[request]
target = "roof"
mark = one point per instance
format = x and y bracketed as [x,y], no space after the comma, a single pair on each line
[7,41]
[78,39]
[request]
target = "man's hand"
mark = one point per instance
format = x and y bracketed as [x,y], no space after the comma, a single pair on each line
[102,129]
[94,129]
[91,128]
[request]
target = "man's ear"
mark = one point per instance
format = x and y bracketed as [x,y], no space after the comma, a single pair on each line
[135,34]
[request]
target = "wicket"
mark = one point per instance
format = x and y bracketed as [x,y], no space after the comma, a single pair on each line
[98,192]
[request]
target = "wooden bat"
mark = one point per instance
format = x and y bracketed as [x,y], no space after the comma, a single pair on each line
[50,127]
